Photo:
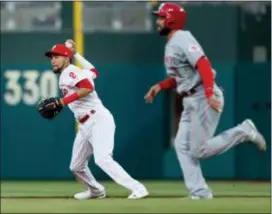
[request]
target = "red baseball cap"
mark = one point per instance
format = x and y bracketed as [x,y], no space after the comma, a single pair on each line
[59,49]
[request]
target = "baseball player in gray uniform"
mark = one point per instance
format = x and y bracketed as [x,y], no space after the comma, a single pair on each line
[190,74]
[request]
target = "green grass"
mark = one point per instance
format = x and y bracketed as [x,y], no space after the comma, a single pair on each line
[165,197]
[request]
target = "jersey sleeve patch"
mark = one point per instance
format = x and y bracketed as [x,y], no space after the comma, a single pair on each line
[193,48]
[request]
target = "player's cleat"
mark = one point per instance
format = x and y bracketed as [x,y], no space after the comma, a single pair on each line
[254,135]
[198,197]
[139,193]
[89,195]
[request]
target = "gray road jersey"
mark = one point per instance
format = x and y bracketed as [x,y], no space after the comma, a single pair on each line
[182,52]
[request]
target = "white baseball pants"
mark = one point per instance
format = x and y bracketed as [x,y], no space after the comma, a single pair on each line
[96,136]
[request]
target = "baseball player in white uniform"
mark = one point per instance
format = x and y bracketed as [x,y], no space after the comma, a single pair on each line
[96,124]
[191,75]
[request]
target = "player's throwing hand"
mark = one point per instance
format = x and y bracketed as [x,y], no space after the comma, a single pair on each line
[153,91]
[69,43]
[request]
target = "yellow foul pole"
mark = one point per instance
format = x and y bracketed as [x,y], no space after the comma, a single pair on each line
[78,30]
[78,26]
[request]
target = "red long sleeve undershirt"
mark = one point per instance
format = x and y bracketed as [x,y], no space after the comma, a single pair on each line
[85,83]
[168,83]
[205,70]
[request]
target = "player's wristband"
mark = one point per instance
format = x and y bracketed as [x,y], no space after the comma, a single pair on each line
[209,92]
[70,98]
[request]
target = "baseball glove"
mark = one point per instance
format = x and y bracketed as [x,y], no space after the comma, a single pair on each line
[49,107]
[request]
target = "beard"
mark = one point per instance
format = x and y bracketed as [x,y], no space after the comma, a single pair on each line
[164,31]
[57,70]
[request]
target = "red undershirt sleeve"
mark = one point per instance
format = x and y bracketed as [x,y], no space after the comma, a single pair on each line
[205,70]
[168,83]
[85,83]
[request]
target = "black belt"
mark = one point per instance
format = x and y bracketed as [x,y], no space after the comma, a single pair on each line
[191,91]
[86,117]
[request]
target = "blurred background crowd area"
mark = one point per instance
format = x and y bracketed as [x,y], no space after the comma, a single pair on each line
[100,16]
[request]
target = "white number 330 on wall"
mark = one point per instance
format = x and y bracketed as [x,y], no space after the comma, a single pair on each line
[29,86]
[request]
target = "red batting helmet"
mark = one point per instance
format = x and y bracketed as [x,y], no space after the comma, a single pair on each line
[59,49]
[174,14]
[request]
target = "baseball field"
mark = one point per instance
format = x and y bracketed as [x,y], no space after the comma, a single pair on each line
[165,197]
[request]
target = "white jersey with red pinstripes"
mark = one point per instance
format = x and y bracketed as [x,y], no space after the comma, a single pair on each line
[69,77]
